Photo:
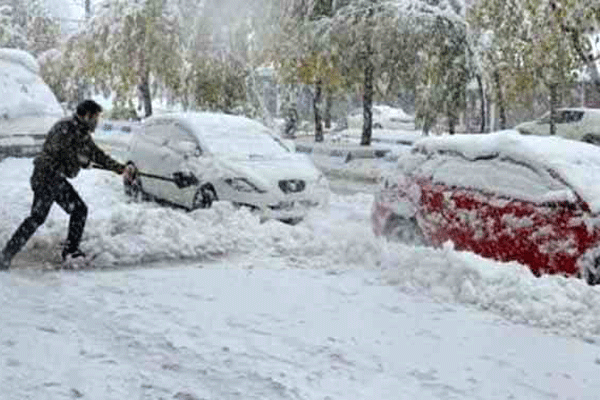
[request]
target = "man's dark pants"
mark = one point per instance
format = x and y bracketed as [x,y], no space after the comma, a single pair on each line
[53,189]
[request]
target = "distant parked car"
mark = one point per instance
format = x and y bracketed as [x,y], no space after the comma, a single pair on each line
[531,199]
[28,107]
[234,158]
[384,117]
[572,123]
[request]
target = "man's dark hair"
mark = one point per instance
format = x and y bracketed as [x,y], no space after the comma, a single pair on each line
[88,107]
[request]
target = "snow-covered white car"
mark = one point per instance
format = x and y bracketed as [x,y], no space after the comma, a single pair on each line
[531,199]
[234,159]
[28,107]
[384,117]
[572,123]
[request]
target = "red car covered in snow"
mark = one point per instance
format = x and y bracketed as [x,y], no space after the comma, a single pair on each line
[506,196]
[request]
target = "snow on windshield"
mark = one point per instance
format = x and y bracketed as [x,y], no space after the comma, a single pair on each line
[234,136]
[577,163]
[243,144]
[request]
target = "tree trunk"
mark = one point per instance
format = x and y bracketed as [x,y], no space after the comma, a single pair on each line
[318,119]
[501,107]
[328,104]
[482,97]
[367,106]
[553,104]
[144,88]
[451,124]
[80,90]
[88,9]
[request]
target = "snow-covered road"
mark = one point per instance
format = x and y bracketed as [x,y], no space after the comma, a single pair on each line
[217,331]
[213,304]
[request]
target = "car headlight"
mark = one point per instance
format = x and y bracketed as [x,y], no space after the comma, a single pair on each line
[243,185]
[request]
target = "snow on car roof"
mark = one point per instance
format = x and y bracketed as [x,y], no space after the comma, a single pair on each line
[23,93]
[577,163]
[227,134]
[215,123]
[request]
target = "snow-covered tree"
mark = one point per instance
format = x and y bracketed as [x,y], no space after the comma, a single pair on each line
[580,21]
[43,33]
[302,55]
[223,45]
[27,25]
[11,33]
[534,46]
[133,46]
[376,36]
[215,82]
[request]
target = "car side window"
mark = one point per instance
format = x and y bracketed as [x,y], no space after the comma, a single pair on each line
[576,116]
[563,117]
[156,133]
[502,177]
[182,141]
[544,119]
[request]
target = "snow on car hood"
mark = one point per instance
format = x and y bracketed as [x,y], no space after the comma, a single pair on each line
[270,169]
[577,163]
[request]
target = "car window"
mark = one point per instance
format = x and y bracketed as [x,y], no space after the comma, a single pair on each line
[544,119]
[244,144]
[504,177]
[576,116]
[157,133]
[563,117]
[180,139]
[176,133]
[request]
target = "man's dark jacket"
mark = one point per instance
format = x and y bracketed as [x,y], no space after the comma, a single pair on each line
[68,147]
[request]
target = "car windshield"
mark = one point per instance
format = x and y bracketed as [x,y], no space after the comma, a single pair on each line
[253,144]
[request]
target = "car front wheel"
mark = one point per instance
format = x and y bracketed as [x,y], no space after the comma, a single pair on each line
[589,266]
[205,196]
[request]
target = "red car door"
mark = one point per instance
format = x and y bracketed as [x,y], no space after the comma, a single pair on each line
[503,210]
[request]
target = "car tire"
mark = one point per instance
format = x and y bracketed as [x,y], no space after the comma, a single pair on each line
[204,197]
[589,266]
[591,138]
[405,230]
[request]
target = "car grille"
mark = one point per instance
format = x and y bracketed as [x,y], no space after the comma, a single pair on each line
[292,186]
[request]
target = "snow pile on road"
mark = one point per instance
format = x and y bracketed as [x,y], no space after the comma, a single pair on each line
[561,305]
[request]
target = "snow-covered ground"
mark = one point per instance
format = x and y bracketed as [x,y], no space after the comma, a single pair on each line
[213,304]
